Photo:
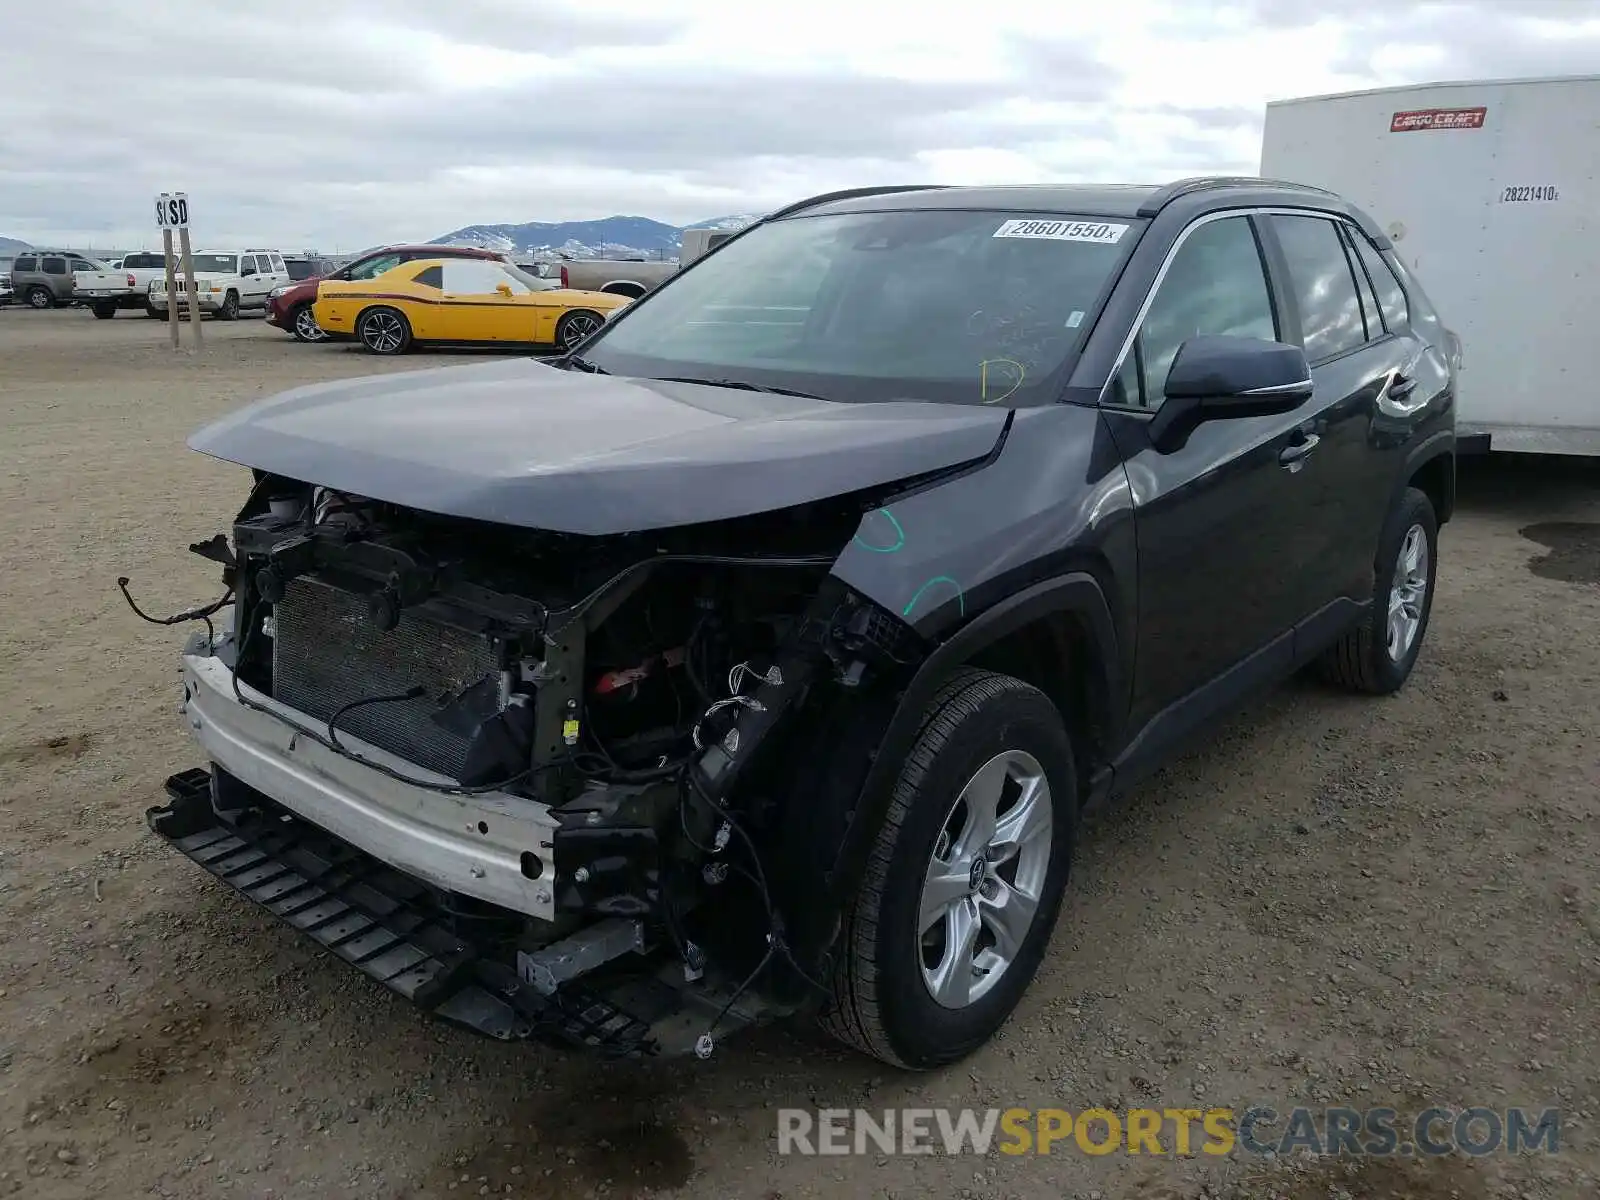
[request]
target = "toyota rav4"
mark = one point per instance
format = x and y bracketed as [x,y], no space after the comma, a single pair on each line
[761,655]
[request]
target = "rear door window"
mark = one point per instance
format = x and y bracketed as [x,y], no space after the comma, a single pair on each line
[1331,319]
[55,266]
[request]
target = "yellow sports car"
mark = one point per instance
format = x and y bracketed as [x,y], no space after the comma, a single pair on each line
[460,301]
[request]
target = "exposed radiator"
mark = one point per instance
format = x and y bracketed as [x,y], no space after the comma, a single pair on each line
[327,653]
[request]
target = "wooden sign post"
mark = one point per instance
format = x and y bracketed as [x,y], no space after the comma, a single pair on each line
[172,285]
[172,212]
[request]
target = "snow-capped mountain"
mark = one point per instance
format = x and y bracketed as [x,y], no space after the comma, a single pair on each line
[609,237]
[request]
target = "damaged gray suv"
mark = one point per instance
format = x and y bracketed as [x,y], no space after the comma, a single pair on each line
[760,656]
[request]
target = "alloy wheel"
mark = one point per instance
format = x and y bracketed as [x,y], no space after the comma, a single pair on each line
[1407,592]
[382,333]
[579,326]
[985,879]
[305,325]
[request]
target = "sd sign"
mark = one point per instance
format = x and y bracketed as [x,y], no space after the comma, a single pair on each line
[172,210]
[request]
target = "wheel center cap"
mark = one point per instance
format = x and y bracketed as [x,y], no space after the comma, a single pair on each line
[977,872]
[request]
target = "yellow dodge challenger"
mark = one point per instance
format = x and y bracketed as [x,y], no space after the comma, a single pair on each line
[459,301]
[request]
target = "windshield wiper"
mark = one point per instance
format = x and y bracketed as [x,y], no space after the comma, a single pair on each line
[741,384]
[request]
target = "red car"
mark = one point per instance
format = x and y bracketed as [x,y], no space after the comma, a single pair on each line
[289,307]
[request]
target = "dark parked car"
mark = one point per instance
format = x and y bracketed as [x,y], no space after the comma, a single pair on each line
[762,654]
[289,307]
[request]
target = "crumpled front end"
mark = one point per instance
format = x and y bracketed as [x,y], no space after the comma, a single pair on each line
[540,783]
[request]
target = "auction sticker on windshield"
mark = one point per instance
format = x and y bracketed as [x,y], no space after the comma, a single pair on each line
[1063,231]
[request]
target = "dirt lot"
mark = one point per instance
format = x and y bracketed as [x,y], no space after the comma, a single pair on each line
[1334,901]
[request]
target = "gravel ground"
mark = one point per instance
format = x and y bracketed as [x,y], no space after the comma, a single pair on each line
[1332,900]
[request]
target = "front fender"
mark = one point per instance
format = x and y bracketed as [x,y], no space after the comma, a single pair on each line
[847,802]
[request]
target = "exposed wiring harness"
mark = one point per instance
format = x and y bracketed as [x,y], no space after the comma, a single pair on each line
[736,699]
[777,944]
[202,612]
[730,826]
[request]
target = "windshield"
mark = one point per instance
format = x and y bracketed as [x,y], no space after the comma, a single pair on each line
[224,263]
[300,268]
[133,262]
[953,306]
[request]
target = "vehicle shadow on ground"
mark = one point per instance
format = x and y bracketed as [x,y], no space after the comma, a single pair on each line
[1525,484]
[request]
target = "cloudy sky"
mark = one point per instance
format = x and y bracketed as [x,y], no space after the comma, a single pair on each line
[341,123]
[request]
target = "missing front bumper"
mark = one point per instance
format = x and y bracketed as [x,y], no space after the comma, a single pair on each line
[395,928]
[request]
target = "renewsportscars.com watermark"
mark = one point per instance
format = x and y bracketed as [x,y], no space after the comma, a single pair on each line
[1259,1129]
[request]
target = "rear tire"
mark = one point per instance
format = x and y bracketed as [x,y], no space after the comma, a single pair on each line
[1377,656]
[41,297]
[103,312]
[230,307]
[384,330]
[576,325]
[152,312]
[922,977]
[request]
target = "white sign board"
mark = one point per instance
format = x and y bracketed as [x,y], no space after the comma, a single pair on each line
[172,210]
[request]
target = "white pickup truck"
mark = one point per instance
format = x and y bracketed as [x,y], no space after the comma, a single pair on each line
[229,282]
[125,285]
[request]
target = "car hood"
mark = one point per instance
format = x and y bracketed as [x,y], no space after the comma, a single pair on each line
[522,443]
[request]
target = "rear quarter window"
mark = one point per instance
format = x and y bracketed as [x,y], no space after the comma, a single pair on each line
[1391,296]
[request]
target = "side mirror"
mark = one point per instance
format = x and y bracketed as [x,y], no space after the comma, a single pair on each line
[1218,377]
[503,288]
[246,272]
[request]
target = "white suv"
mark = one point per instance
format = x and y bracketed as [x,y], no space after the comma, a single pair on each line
[229,282]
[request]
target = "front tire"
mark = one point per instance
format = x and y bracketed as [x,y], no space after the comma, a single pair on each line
[1377,656]
[965,880]
[230,307]
[103,312]
[575,326]
[304,325]
[41,297]
[384,331]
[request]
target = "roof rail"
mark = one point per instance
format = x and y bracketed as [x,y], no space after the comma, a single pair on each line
[851,194]
[1167,193]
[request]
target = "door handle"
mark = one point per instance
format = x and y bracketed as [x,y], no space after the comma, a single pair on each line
[1297,451]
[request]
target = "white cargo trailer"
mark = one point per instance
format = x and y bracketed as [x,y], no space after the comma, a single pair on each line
[1491,191]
